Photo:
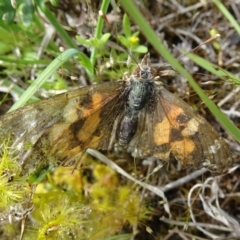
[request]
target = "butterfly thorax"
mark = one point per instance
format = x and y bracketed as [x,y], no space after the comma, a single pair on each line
[139,93]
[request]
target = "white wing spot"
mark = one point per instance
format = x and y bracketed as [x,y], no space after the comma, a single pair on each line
[214,148]
[191,128]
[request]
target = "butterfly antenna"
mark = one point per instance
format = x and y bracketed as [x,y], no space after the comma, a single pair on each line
[172,72]
[145,62]
[209,40]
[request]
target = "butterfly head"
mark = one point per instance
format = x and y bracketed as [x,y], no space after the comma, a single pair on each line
[144,71]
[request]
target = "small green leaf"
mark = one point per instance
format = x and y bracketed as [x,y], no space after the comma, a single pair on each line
[124,41]
[104,38]
[86,63]
[27,13]
[93,42]
[135,34]
[82,40]
[126,26]
[54,2]
[7,12]
[140,49]
[39,175]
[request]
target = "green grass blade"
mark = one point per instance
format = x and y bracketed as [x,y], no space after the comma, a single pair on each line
[61,31]
[99,28]
[214,69]
[228,15]
[51,68]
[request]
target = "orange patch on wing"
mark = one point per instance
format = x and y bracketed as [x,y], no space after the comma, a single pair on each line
[163,156]
[161,134]
[73,111]
[175,113]
[96,102]
[182,149]
[87,131]
[172,112]
[57,131]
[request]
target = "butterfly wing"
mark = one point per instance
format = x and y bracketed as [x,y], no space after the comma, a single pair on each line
[60,128]
[171,127]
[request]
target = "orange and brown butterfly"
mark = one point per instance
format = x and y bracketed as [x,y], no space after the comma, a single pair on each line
[137,113]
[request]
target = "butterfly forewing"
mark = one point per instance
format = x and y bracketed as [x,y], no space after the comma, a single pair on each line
[58,129]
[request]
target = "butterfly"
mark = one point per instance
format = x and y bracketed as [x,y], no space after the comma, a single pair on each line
[137,113]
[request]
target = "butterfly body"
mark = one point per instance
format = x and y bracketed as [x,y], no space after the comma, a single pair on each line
[137,113]
[140,94]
